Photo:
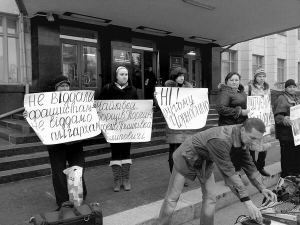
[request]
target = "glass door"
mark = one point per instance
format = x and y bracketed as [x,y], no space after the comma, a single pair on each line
[138,72]
[80,64]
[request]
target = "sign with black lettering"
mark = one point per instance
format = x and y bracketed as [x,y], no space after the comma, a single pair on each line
[59,117]
[295,118]
[183,108]
[125,120]
[260,107]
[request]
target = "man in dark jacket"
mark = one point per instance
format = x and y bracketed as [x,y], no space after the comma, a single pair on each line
[195,158]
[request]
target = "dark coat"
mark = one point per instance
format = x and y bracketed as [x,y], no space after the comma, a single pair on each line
[230,104]
[111,91]
[282,109]
[177,136]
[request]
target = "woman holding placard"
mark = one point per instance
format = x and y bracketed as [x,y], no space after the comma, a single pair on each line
[60,154]
[259,87]
[175,137]
[120,162]
[290,154]
[231,105]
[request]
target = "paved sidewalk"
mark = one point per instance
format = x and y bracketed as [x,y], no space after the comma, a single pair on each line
[149,180]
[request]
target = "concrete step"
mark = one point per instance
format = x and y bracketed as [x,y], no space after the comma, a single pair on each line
[20,125]
[15,166]
[17,137]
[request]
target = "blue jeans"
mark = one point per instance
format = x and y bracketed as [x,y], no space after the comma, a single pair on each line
[174,190]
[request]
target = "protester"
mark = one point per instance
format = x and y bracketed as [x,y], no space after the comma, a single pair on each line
[150,82]
[231,105]
[290,154]
[120,162]
[175,137]
[259,87]
[196,157]
[60,154]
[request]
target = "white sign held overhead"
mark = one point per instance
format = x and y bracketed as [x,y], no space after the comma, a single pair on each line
[59,117]
[183,108]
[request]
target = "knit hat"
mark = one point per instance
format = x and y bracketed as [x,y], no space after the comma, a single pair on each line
[289,83]
[176,72]
[59,80]
[258,72]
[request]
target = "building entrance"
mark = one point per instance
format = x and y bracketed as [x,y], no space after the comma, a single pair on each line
[141,61]
[80,64]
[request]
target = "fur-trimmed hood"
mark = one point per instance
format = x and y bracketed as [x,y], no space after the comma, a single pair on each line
[224,87]
[171,83]
[266,85]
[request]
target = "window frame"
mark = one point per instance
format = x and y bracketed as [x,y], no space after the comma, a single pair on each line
[231,61]
[259,62]
[5,35]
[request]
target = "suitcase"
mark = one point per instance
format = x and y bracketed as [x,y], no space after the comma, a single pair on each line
[86,214]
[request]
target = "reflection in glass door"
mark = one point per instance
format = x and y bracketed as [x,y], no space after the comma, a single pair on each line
[191,64]
[80,64]
[138,73]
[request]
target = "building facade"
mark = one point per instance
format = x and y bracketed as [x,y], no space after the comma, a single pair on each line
[278,54]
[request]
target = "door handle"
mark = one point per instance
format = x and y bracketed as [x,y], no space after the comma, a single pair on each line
[87,79]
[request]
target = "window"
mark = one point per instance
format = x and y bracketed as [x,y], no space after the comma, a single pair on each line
[280,73]
[9,50]
[228,63]
[257,62]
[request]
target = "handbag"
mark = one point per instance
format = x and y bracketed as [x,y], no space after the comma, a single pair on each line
[86,214]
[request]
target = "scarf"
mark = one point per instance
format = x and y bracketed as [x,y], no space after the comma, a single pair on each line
[292,99]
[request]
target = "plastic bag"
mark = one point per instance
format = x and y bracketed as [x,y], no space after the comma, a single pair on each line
[74,180]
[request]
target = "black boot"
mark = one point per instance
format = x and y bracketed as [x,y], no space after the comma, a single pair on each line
[264,173]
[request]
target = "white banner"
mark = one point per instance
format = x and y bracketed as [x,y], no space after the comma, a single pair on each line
[125,120]
[260,107]
[183,108]
[295,117]
[59,117]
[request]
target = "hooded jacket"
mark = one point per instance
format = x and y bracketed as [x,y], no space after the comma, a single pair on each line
[177,136]
[230,103]
[282,109]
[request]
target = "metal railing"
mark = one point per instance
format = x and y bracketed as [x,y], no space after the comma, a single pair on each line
[12,112]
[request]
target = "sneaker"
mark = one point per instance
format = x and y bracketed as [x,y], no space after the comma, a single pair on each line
[264,173]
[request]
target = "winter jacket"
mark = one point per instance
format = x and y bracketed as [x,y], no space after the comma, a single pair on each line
[215,145]
[282,109]
[229,105]
[111,91]
[177,136]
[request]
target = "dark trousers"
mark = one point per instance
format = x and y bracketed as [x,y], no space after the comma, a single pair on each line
[120,151]
[290,158]
[260,162]
[59,155]
[173,147]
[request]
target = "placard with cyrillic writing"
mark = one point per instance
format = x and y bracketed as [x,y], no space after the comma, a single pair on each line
[260,107]
[295,117]
[59,117]
[125,120]
[183,108]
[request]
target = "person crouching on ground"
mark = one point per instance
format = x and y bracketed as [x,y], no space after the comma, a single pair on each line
[120,162]
[195,158]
